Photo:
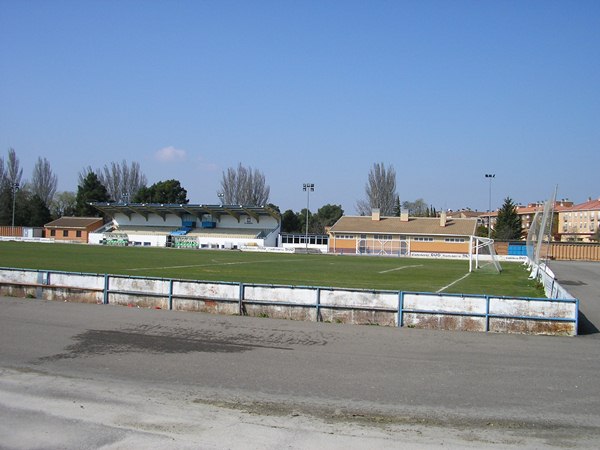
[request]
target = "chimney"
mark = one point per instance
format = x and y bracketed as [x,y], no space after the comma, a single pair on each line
[375,215]
[443,219]
[404,216]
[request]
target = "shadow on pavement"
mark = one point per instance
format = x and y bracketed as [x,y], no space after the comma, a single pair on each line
[585,326]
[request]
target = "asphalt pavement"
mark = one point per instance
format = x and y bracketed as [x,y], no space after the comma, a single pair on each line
[582,280]
[80,375]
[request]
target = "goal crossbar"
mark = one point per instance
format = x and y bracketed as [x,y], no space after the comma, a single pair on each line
[483,254]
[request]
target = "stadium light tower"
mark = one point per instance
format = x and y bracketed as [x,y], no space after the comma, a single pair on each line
[307,187]
[15,189]
[221,195]
[490,176]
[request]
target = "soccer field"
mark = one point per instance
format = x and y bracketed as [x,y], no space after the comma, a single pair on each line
[364,272]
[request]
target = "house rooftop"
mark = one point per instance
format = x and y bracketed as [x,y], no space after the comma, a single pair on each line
[412,225]
[74,222]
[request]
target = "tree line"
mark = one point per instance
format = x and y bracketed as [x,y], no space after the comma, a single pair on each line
[36,202]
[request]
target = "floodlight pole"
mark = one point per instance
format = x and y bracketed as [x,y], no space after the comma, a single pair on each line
[308,187]
[220,195]
[15,189]
[490,176]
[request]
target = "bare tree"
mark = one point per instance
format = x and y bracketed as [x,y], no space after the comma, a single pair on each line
[3,179]
[44,181]
[64,204]
[14,172]
[380,191]
[244,186]
[418,208]
[121,180]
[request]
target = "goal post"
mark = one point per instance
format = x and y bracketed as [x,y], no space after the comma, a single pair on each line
[539,233]
[482,255]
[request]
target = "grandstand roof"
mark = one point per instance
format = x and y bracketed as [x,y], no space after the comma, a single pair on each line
[162,209]
[414,226]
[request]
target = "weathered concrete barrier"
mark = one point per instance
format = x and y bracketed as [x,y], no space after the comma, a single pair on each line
[388,308]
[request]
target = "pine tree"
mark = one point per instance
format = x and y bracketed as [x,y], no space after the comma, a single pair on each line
[169,191]
[397,207]
[90,190]
[39,214]
[508,224]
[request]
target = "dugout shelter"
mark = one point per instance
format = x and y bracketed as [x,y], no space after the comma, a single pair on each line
[188,226]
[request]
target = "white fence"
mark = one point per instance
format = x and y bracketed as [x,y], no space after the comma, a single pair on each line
[390,308]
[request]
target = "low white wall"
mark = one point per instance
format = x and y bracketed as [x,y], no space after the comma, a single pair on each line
[321,248]
[253,248]
[423,310]
[153,240]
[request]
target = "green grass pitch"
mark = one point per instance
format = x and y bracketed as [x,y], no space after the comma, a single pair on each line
[364,272]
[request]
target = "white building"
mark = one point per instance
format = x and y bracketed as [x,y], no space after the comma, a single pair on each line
[188,226]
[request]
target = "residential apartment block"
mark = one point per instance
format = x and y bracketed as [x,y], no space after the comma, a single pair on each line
[579,223]
[571,223]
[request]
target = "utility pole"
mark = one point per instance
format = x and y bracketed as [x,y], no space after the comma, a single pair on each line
[15,189]
[307,187]
[490,176]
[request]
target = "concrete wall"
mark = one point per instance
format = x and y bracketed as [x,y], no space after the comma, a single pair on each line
[389,308]
[170,220]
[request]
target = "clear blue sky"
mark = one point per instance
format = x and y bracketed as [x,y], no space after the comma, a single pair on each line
[310,91]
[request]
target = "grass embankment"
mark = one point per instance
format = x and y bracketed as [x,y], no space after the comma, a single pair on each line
[364,272]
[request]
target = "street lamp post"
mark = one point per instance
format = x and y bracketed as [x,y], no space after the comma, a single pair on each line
[15,189]
[220,195]
[308,187]
[490,176]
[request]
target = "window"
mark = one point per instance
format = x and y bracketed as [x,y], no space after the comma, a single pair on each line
[78,233]
[65,233]
[423,239]
[383,237]
[344,236]
[455,240]
[52,232]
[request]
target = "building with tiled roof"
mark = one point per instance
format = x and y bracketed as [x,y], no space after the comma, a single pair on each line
[402,235]
[527,213]
[465,214]
[73,229]
[579,223]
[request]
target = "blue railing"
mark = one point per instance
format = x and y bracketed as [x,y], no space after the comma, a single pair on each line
[319,298]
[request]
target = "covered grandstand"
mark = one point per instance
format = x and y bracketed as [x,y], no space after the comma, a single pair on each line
[188,226]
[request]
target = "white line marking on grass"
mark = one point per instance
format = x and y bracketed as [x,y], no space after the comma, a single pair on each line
[212,264]
[453,283]
[400,268]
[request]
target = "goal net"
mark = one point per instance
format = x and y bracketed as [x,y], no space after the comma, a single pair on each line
[540,232]
[483,255]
